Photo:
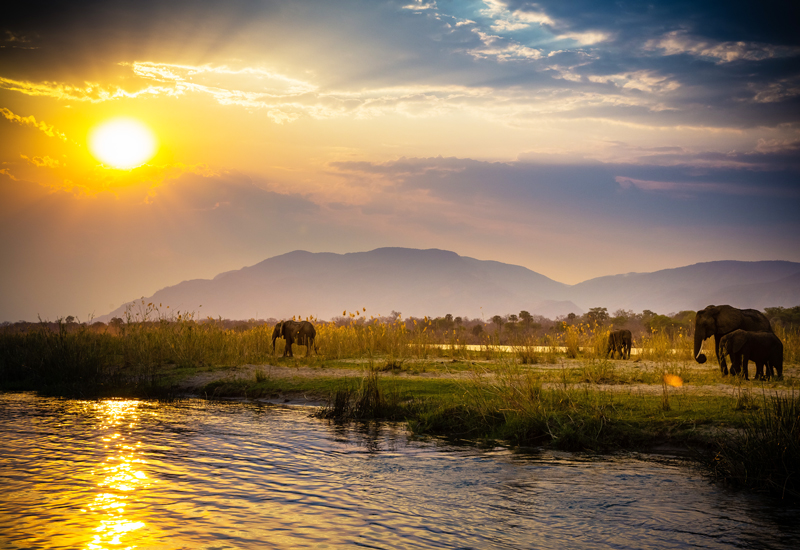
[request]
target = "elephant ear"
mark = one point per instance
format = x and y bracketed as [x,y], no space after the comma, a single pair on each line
[733,342]
[728,319]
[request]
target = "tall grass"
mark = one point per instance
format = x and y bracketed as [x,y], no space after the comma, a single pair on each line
[766,452]
[791,343]
[513,405]
[63,359]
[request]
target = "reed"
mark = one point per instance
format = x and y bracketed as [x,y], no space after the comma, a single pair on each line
[790,336]
[765,452]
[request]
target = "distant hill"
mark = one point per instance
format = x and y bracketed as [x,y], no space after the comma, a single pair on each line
[740,284]
[436,282]
[413,282]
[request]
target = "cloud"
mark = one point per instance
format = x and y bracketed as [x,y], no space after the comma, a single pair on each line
[43,162]
[692,189]
[502,49]
[31,121]
[504,19]
[680,42]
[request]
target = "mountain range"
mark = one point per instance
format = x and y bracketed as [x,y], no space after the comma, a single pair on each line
[436,282]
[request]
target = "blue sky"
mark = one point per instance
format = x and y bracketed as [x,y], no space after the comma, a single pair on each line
[578,139]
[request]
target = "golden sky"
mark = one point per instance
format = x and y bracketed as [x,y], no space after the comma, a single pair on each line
[576,139]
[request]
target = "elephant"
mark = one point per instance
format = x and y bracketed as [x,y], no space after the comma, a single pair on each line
[294,332]
[619,341]
[763,348]
[718,321]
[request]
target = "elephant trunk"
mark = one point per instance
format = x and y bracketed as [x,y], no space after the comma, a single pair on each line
[699,336]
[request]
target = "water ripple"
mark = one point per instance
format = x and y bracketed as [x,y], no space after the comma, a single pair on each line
[119,474]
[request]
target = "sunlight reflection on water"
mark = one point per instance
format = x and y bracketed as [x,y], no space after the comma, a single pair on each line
[122,479]
[125,474]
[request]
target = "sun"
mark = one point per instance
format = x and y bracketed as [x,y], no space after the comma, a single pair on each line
[122,143]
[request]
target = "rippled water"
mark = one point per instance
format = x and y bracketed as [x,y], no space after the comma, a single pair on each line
[197,474]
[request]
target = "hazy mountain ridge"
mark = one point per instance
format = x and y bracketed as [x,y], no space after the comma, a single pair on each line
[435,282]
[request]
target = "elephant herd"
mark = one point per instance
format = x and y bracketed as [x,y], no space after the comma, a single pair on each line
[742,334]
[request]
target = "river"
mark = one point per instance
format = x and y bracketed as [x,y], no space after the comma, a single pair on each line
[199,474]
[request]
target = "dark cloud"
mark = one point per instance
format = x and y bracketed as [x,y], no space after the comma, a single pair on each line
[771,21]
[706,188]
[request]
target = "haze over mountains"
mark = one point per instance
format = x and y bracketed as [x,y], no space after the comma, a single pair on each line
[436,282]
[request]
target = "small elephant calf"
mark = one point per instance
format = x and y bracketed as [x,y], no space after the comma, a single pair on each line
[763,348]
[619,341]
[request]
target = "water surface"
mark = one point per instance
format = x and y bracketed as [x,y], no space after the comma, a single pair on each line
[198,474]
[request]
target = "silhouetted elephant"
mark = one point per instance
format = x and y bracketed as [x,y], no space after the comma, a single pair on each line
[718,321]
[763,348]
[302,333]
[619,341]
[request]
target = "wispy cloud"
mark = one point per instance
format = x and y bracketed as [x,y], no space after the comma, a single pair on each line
[504,19]
[31,121]
[43,162]
[691,189]
[502,49]
[681,42]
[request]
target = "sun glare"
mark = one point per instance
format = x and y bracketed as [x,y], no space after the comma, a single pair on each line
[122,143]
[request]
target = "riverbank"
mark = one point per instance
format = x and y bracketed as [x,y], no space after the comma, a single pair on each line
[745,432]
[522,399]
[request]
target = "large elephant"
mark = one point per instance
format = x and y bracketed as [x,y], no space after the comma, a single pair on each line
[619,341]
[294,332]
[763,348]
[718,321]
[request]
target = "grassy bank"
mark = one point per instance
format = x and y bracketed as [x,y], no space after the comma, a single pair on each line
[749,439]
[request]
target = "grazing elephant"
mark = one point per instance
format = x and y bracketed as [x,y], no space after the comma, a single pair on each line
[619,341]
[718,321]
[294,332]
[763,348]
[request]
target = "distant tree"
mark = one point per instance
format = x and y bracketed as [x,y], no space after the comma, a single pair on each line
[526,318]
[497,320]
[785,316]
[596,317]
[477,330]
[571,318]
[458,321]
[621,317]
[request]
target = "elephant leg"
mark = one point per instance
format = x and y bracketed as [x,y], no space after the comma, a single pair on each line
[745,361]
[760,371]
[769,372]
[736,364]
[723,367]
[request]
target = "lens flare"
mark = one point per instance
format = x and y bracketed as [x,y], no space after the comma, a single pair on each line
[122,143]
